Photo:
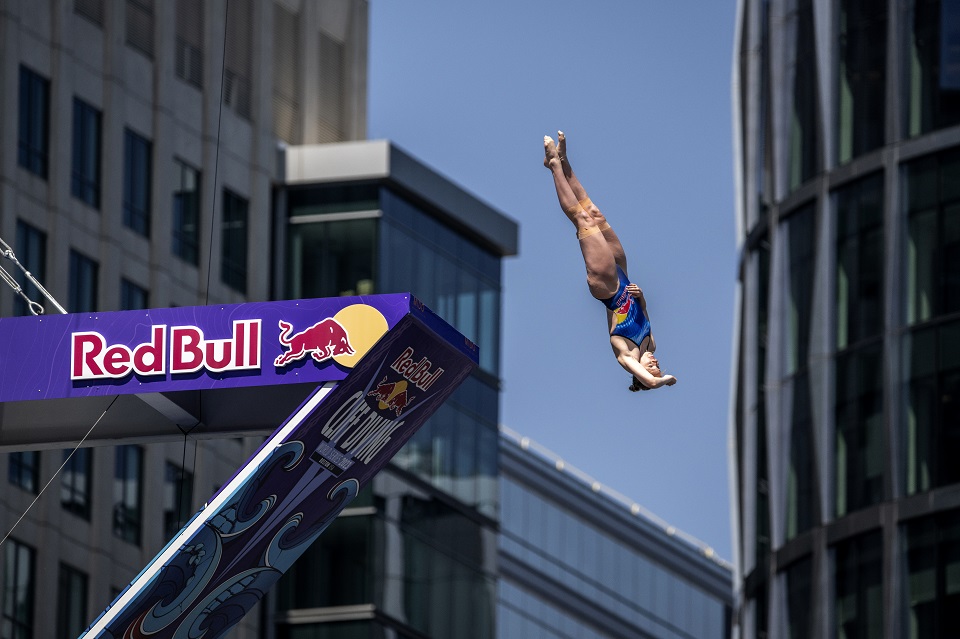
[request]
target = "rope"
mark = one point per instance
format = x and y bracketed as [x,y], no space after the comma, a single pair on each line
[216,161]
[56,474]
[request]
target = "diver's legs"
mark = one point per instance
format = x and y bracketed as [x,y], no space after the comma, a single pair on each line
[597,257]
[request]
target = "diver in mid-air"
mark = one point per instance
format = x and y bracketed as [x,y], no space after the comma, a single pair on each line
[627,317]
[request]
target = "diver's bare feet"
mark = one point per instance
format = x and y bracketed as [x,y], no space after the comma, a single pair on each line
[551,157]
[562,146]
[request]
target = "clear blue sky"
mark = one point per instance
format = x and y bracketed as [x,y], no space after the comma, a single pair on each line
[642,90]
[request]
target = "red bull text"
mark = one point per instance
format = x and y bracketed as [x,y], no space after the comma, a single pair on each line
[418,373]
[324,340]
[92,358]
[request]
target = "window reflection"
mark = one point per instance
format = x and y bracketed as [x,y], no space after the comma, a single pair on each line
[931,89]
[859,588]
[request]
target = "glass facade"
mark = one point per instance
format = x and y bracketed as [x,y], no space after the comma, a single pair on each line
[417,547]
[177,498]
[930,92]
[362,239]
[852,260]
[566,549]
[862,77]
[859,587]
[931,576]
[804,131]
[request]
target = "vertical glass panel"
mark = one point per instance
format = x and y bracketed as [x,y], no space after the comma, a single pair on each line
[801,472]
[859,423]
[859,278]
[931,582]
[34,122]
[804,142]
[186,213]
[85,169]
[127,493]
[23,470]
[71,602]
[19,585]
[76,477]
[800,230]
[861,95]
[136,182]
[234,241]
[859,587]
[83,283]
[132,296]
[931,90]
[333,258]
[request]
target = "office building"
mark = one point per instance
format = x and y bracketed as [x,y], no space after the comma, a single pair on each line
[580,561]
[415,556]
[847,500]
[138,160]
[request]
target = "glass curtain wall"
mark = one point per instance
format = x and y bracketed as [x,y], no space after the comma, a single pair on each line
[862,75]
[931,65]
[859,448]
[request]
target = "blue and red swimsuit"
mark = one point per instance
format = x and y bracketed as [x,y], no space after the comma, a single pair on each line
[631,321]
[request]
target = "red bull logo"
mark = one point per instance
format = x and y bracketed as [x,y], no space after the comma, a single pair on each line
[421,373]
[91,357]
[322,341]
[391,396]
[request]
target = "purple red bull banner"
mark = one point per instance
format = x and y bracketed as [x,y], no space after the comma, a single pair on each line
[227,557]
[191,348]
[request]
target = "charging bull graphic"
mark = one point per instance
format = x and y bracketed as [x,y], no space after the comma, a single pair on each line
[391,396]
[325,339]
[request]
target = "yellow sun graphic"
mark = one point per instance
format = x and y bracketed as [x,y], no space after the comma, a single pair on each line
[365,325]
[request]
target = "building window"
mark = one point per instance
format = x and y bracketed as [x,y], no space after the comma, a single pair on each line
[859,454]
[75,487]
[931,425]
[132,297]
[136,182]
[19,574]
[804,157]
[931,589]
[85,173]
[32,253]
[83,283]
[932,187]
[931,62]
[800,599]
[189,44]
[23,470]
[127,493]
[861,95]
[860,260]
[801,476]
[186,213]
[34,138]
[140,26]
[859,587]
[71,602]
[233,265]
[177,499]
